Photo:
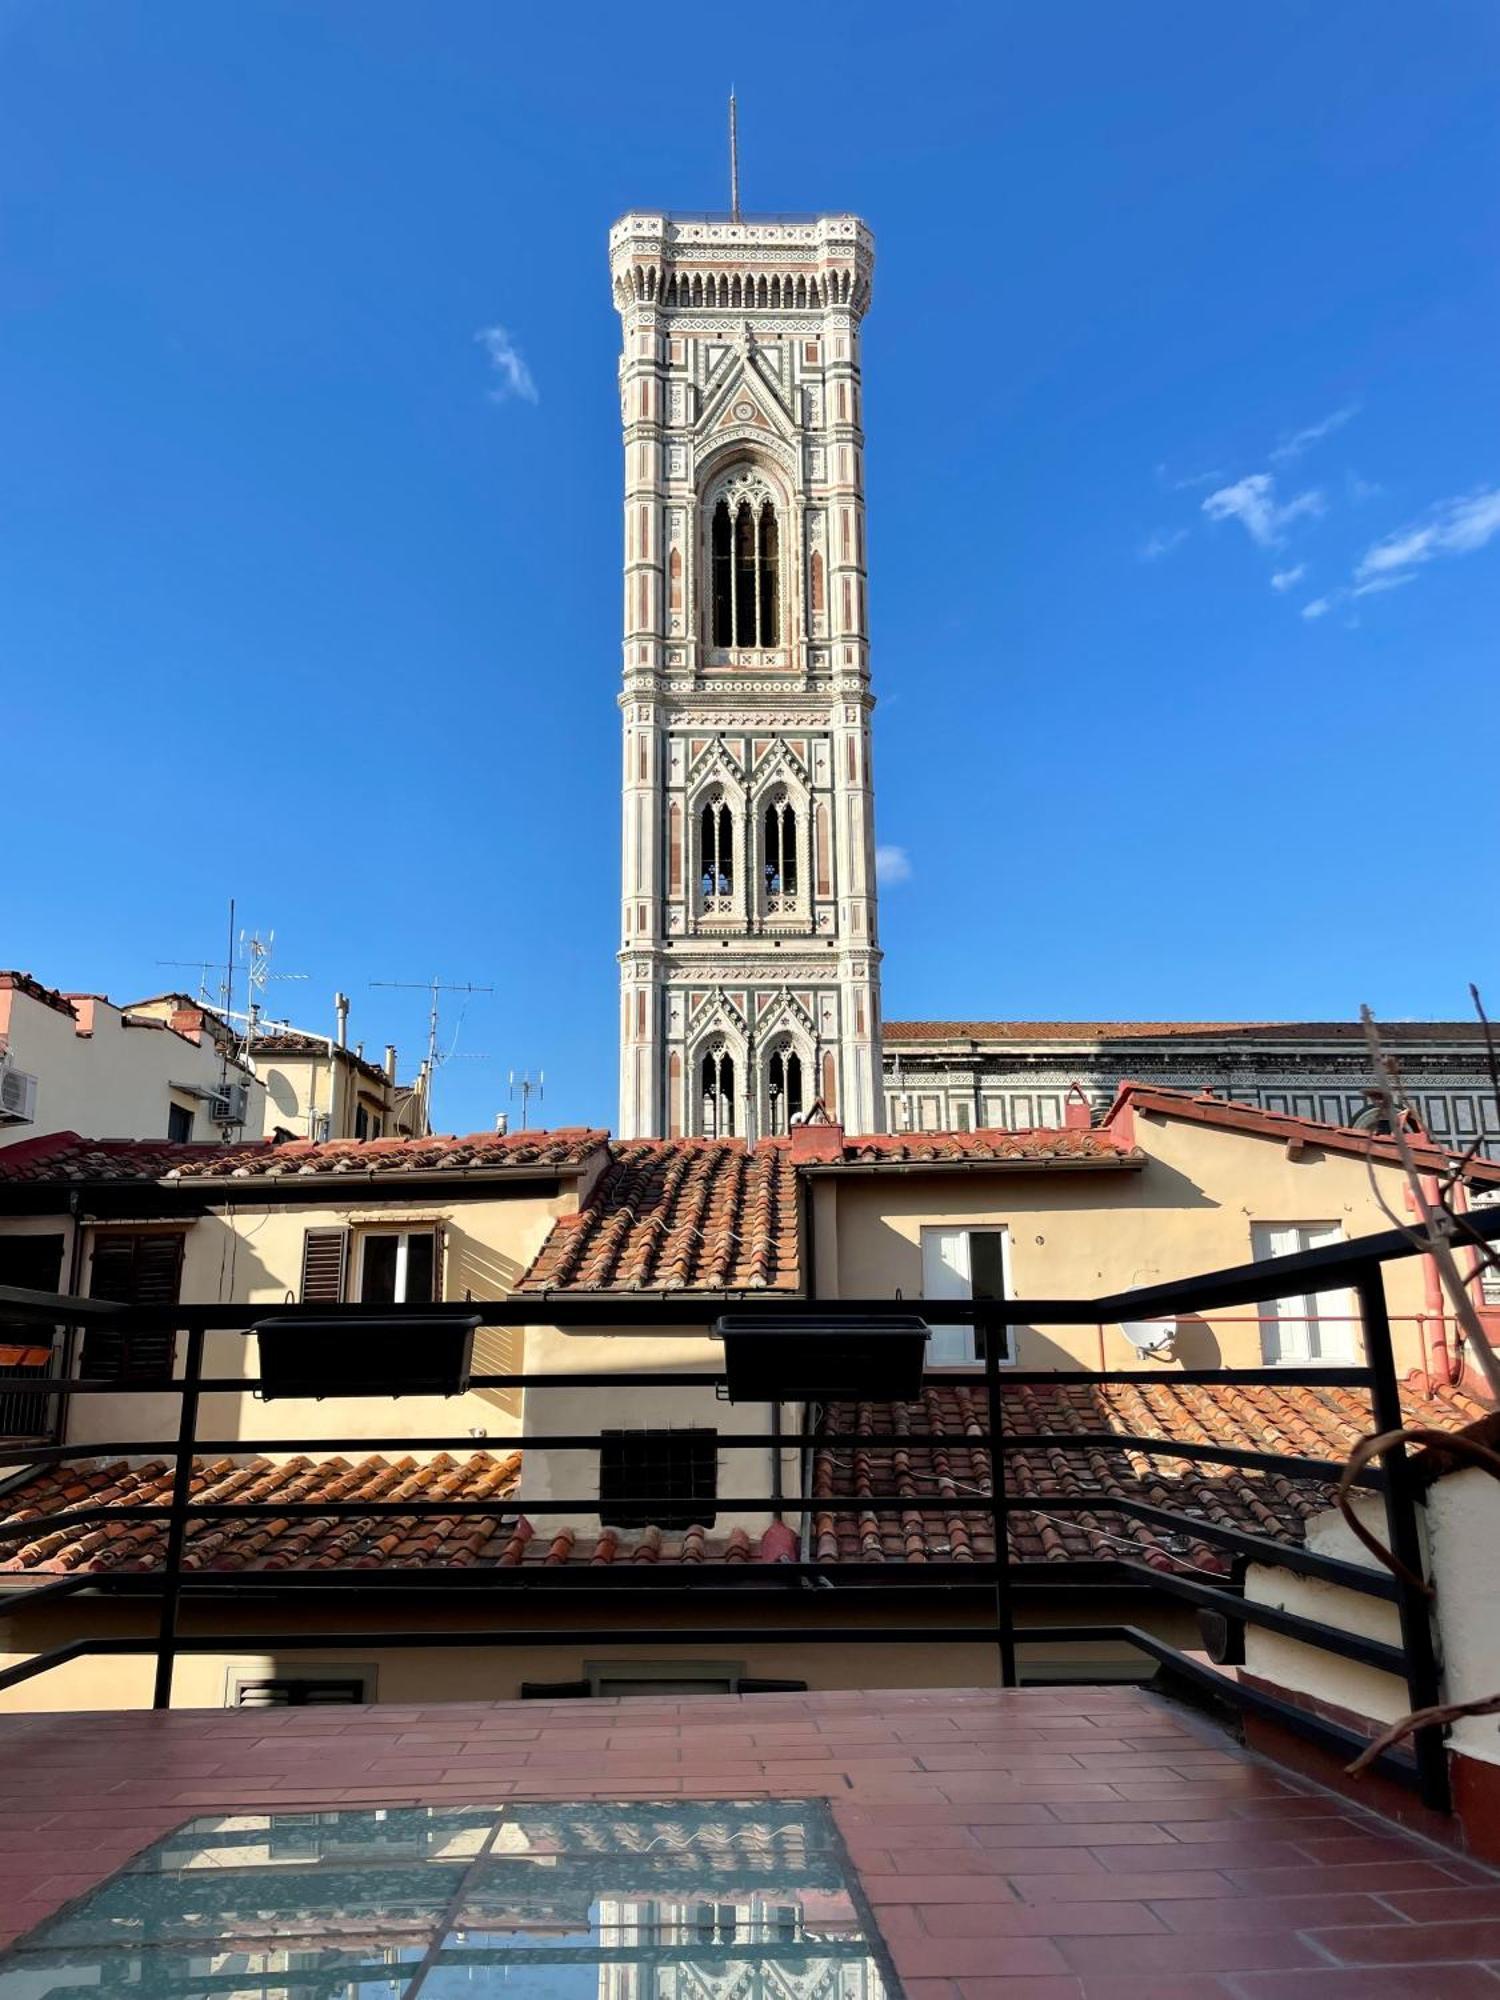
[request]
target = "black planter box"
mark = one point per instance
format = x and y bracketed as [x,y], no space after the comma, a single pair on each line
[807,1356]
[376,1354]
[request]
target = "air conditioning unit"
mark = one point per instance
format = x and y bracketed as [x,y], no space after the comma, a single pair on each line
[17,1097]
[231,1105]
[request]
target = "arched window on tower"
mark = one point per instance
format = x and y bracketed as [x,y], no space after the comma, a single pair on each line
[716,856]
[716,1089]
[745,556]
[779,854]
[783,1090]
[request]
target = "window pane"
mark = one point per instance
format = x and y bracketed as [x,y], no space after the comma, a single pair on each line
[378,1275]
[420,1261]
[986,1268]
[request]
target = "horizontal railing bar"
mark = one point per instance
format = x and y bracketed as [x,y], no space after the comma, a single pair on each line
[63,1586]
[502,1444]
[1311,1631]
[1261,1548]
[538,1636]
[1332,1736]
[420,1507]
[635,1378]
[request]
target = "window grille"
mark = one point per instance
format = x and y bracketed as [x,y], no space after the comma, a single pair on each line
[680,1467]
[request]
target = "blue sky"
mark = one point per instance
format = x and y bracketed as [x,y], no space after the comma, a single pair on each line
[1184,449]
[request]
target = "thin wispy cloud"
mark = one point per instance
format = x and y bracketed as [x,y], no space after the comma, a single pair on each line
[1162,543]
[1360,490]
[892,864]
[1283,579]
[510,376]
[1319,608]
[1252,502]
[1303,440]
[1455,527]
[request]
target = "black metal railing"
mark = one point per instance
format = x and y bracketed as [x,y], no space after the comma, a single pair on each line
[1357,1266]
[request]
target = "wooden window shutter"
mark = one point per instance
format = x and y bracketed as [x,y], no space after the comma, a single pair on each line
[130,1270]
[325,1260]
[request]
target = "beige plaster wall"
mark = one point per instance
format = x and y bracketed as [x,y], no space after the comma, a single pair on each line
[555,1475]
[254,1257]
[1303,1669]
[1190,1209]
[116,1081]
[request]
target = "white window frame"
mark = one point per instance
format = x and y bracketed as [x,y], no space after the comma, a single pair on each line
[954,1346]
[403,1243]
[1304,1328]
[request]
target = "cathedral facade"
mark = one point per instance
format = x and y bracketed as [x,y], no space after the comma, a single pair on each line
[749,953]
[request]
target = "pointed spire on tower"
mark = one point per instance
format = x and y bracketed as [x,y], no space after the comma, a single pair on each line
[734,156]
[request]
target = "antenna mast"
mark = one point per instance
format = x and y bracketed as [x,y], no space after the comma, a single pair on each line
[432,987]
[734,156]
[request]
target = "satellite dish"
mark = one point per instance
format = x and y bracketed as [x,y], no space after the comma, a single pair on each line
[1149,1336]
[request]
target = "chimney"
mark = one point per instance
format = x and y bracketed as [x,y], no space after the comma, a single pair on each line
[390,1062]
[1077,1116]
[812,1144]
[502,1124]
[359,1050]
[341,1016]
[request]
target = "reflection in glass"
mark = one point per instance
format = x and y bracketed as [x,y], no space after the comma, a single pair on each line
[596,1901]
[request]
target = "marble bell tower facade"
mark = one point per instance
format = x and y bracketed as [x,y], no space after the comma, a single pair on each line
[749,953]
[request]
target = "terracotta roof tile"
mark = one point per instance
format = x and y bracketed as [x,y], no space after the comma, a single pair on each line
[66,1158]
[706,1215]
[390,1541]
[569,1146]
[1148,1031]
[1061,1146]
[943,1463]
[1229,1115]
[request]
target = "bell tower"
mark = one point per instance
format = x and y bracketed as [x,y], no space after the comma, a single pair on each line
[749,960]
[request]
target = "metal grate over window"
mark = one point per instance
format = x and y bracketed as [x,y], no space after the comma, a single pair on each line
[680,1467]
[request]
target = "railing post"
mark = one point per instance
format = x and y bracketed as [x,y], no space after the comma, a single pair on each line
[1005,1630]
[1404,1539]
[182,1488]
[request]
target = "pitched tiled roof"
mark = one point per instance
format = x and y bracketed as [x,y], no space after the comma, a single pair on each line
[706,1215]
[1064,1146]
[619,1548]
[1148,1031]
[569,1146]
[388,1541]
[941,1463]
[391,1541]
[66,1158]
[1204,1108]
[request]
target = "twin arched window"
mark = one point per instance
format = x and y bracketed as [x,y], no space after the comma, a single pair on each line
[746,572]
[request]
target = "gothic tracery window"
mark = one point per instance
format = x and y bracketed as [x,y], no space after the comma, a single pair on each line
[716,856]
[783,1090]
[716,1090]
[745,559]
[779,853]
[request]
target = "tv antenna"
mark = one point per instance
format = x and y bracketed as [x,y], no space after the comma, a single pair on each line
[434,988]
[525,1087]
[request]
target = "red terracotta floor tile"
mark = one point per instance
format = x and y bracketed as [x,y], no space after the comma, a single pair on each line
[1427,1982]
